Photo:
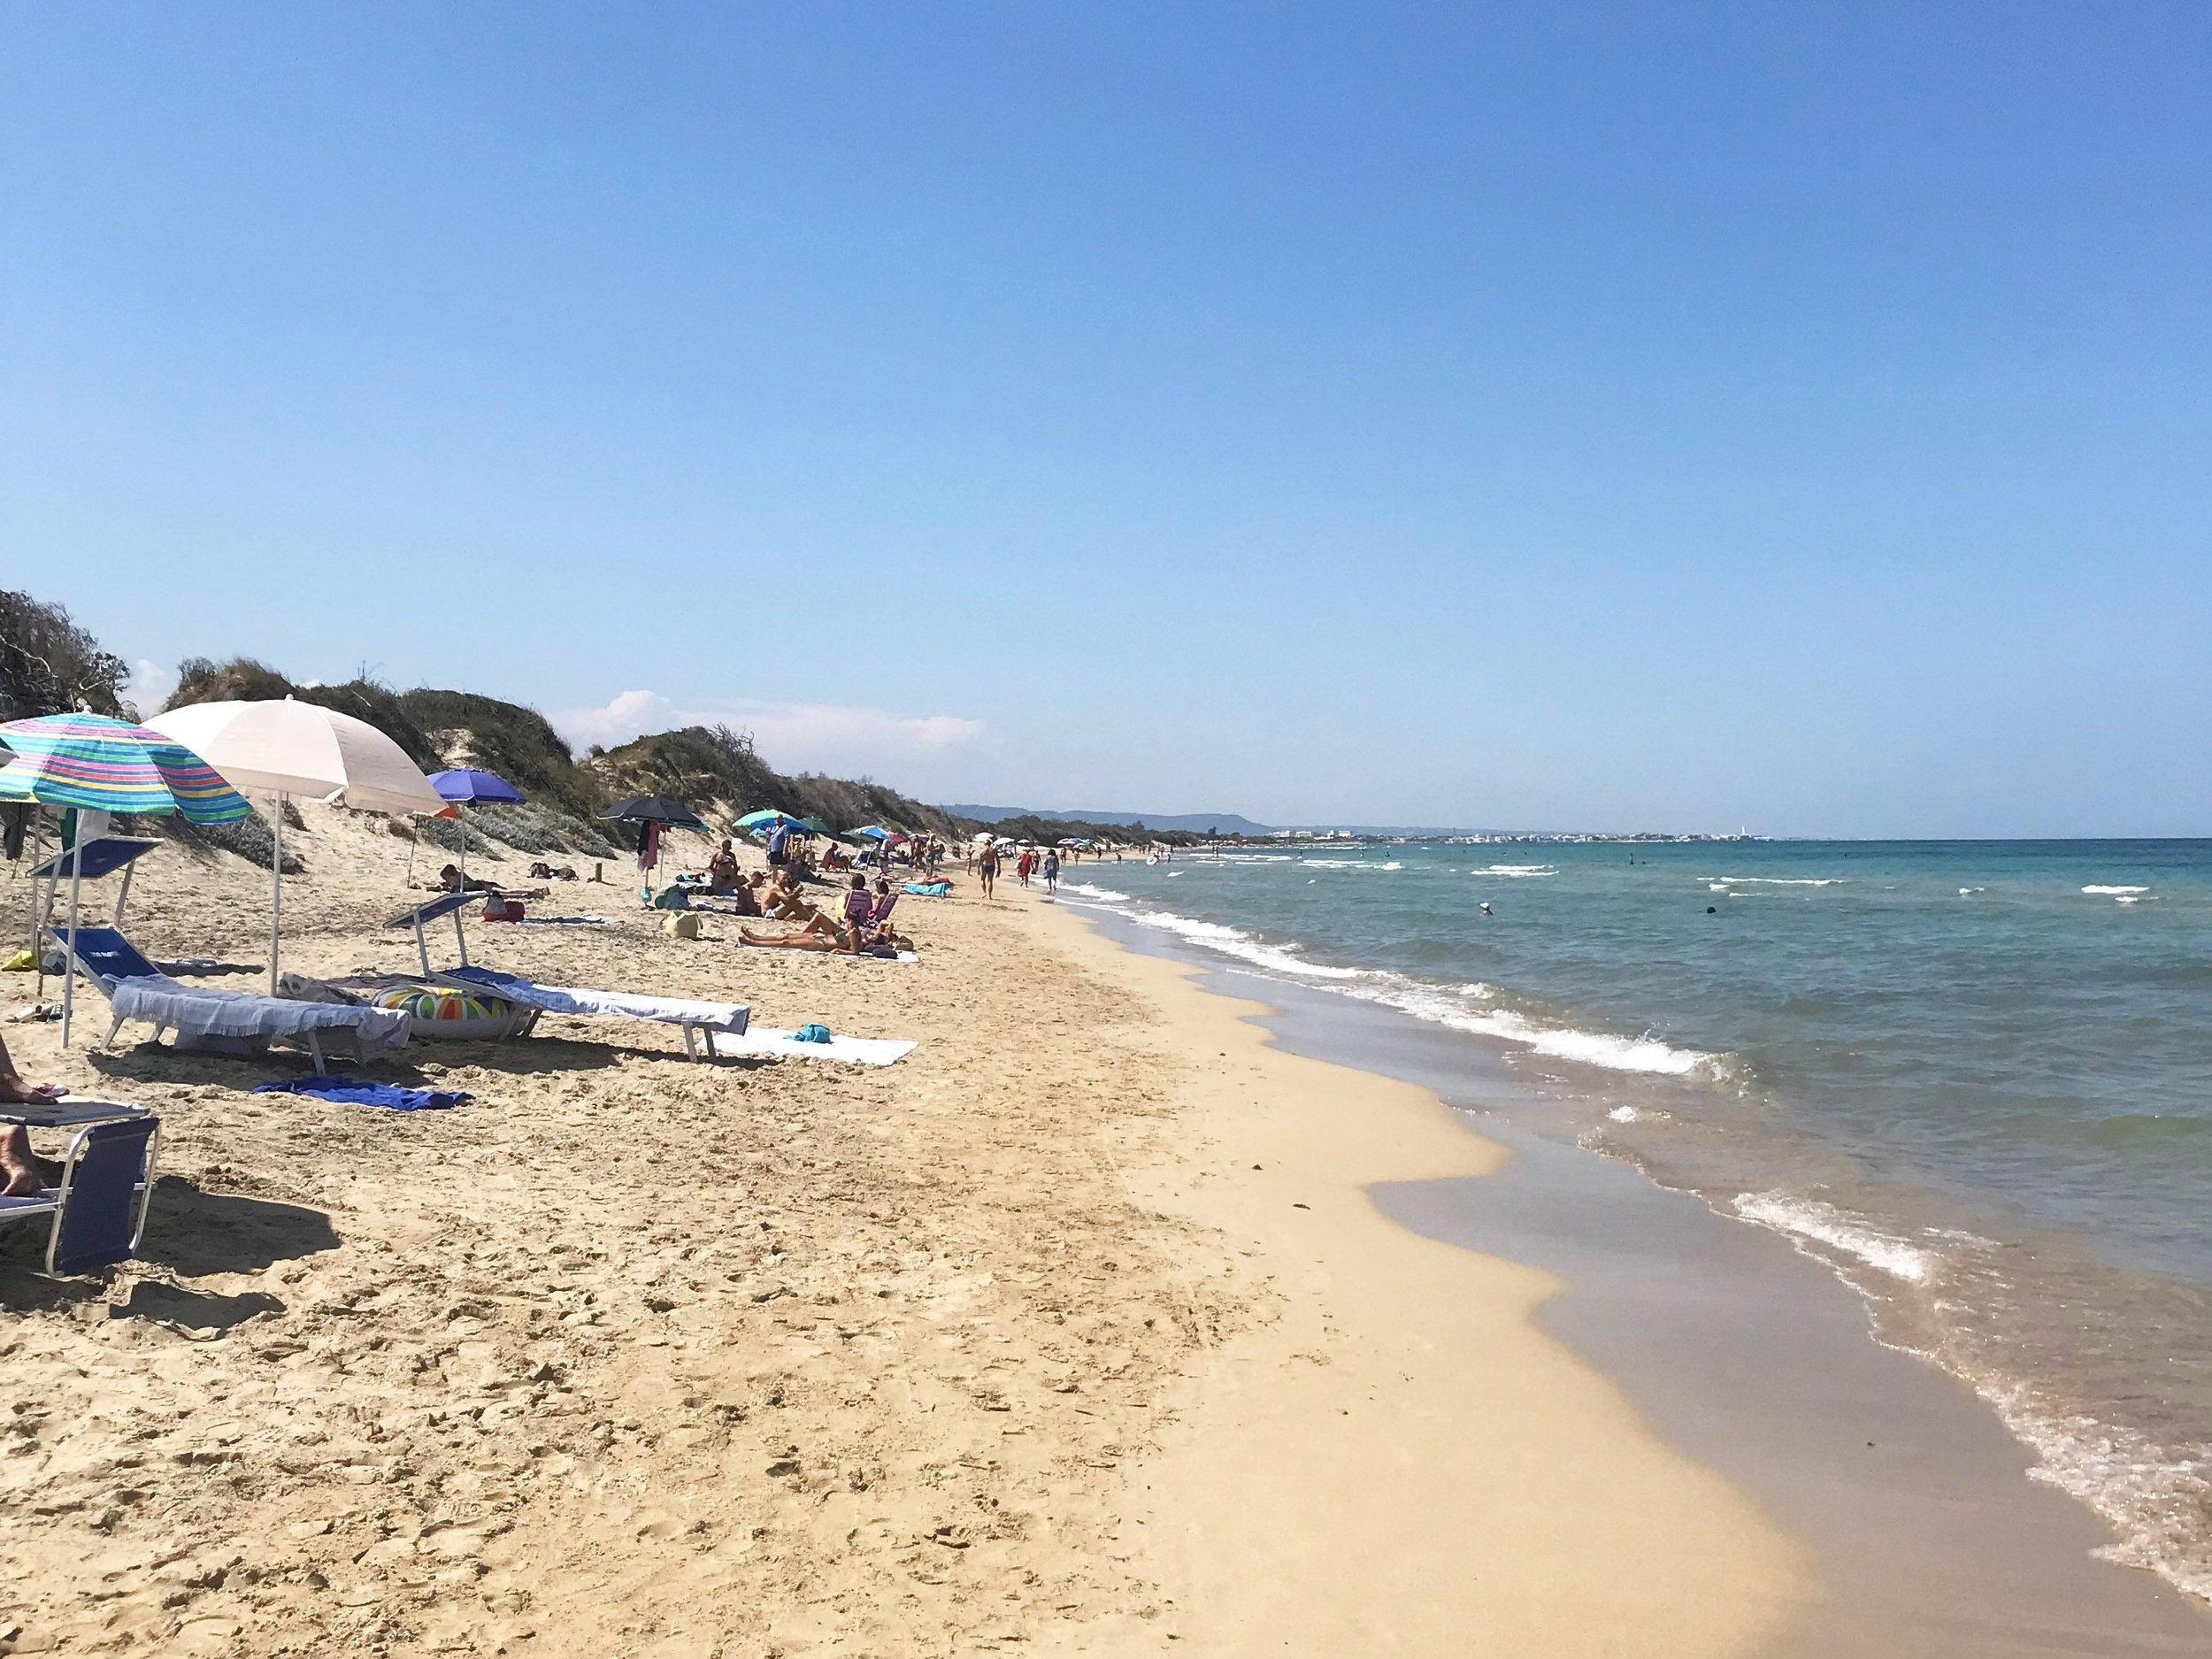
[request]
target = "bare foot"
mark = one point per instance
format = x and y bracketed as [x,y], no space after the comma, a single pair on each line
[18,1165]
[15,1092]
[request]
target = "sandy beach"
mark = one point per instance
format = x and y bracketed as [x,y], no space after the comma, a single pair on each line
[1009,1344]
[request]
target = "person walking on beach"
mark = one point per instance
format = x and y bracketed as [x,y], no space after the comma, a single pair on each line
[987,866]
[1052,871]
[1022,867]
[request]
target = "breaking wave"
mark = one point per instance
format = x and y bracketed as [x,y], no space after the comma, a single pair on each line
[1435,1003]
[1808,1218]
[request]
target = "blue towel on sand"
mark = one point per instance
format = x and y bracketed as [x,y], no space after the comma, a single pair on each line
[355,1092]
[817,1032]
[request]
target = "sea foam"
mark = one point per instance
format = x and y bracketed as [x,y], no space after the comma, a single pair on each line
[1809,1218]
[1423,1000]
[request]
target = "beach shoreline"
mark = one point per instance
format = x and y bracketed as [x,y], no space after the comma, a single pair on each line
[1933,1529]
[1006,1345]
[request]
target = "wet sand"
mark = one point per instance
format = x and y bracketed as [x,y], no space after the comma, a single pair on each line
[1927,1535]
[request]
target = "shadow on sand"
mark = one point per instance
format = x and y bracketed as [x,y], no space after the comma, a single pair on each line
[195,1233]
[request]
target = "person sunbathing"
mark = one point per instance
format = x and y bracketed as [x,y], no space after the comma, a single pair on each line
[783,902]
[722,872]
[23,1171]
[879,917]
[820,933]
[860,908]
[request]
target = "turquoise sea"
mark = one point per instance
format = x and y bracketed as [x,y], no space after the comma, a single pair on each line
[1975,1077]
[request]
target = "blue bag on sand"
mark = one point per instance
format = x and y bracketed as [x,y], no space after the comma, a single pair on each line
[355,1092]
[811,1033]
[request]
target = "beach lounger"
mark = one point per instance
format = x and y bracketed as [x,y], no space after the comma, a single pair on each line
[135,989]
[699,1020]
[96,1217]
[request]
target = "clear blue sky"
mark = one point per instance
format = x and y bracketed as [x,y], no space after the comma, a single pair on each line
[1610,415]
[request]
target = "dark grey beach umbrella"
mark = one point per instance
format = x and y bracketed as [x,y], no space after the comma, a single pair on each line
[655,808]
[651,813]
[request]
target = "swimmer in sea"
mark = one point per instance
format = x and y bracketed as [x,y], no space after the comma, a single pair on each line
[1487,911]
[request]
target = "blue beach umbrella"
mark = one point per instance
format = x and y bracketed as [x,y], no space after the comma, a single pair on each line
[465,783]
[98,764]
[462,784]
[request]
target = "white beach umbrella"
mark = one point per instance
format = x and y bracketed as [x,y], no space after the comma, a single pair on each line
[285,748]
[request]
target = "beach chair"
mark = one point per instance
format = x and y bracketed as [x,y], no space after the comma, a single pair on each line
[96,1217]
[203,1016]
[698,1020]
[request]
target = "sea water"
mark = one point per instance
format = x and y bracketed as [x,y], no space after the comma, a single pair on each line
[1976,1079]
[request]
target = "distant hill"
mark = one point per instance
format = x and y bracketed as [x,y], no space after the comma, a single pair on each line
[714,770]
[1227,822]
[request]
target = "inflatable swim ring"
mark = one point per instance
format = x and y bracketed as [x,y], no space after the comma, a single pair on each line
[443,1012]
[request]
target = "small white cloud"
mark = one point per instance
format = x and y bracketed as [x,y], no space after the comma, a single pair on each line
[148,686]
[631,714]
[790,736]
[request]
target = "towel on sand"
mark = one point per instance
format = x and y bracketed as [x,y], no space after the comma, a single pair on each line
[355,1092]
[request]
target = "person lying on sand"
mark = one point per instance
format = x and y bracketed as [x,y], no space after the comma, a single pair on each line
[821,934]
[16,1162]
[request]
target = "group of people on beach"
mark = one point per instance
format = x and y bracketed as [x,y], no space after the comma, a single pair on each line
[860,923]
[1044,862]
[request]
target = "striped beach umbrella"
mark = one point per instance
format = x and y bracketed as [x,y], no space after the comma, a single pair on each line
[97,764]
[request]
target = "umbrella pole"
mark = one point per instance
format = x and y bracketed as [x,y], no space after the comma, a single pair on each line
[38,946]
[276,893]
[69,961]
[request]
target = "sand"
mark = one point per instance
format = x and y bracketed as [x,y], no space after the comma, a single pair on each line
[1008,1346]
